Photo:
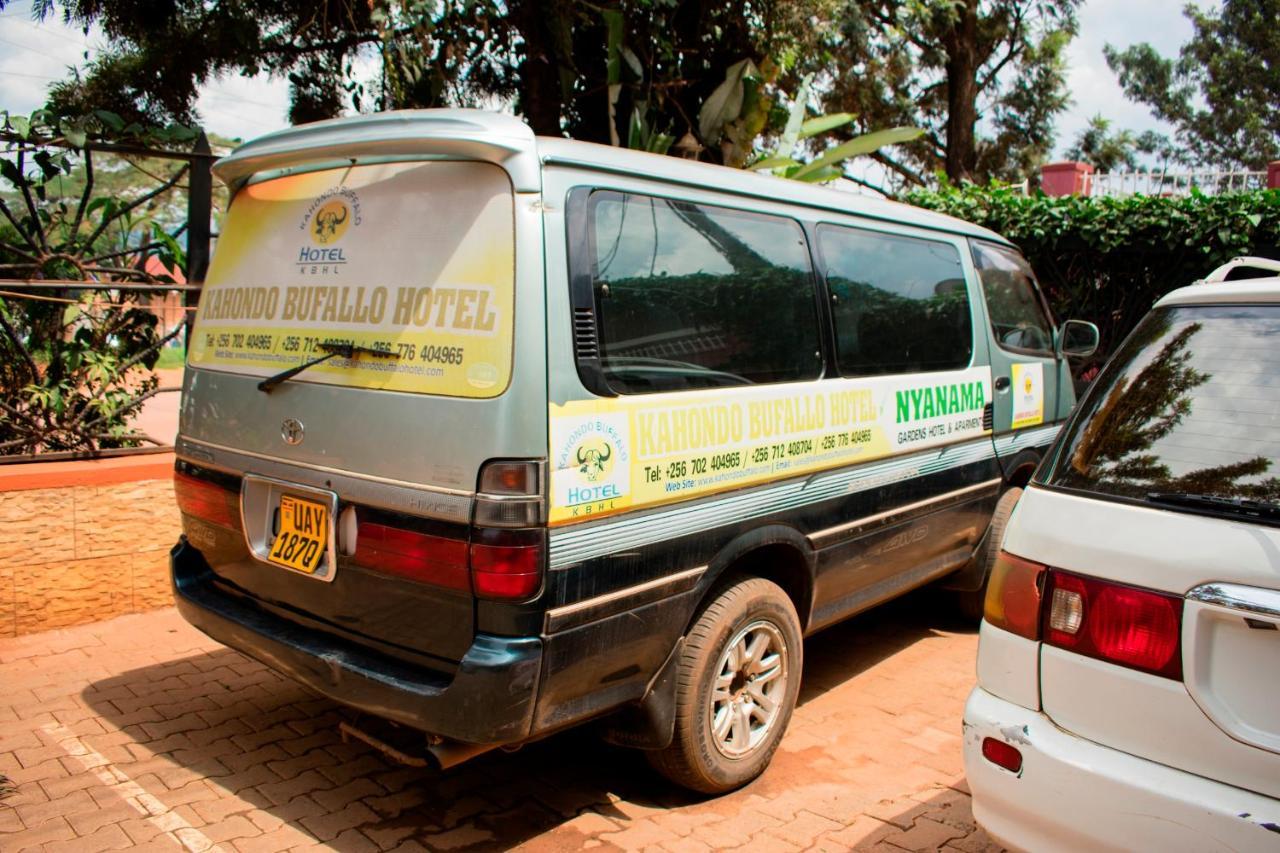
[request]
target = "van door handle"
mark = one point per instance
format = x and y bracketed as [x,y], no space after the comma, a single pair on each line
[1003,383]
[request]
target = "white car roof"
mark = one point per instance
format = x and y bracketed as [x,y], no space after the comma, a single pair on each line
[1225,292]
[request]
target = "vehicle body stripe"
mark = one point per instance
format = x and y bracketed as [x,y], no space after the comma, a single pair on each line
[572,545]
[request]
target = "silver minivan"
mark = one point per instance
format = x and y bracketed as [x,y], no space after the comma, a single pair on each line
[488,435]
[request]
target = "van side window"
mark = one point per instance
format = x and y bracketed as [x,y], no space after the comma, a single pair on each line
[1019,318]
[900,304]
[693,296]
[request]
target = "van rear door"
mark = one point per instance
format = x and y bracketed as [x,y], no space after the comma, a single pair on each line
[395,280]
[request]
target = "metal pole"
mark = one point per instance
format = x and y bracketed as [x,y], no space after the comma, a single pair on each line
[199,213]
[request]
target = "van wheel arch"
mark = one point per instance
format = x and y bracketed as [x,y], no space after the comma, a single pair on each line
[1020,469]
[776,553]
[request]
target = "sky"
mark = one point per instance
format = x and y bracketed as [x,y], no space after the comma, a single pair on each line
[33,55]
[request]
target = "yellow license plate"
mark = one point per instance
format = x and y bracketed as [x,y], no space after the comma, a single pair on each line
[304,535]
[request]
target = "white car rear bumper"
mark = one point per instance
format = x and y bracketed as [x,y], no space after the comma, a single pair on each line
[1073,794]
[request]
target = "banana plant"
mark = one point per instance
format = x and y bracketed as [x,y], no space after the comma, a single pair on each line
[737,112]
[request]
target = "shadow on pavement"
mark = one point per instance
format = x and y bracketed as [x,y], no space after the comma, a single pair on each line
[247,731]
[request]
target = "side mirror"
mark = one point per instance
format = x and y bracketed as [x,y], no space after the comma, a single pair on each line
[1077,339]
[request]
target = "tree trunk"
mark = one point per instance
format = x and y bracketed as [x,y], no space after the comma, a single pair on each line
[961,45]
[540,98]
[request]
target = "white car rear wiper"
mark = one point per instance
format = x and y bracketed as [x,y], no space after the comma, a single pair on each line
[1247,507]
[331,349]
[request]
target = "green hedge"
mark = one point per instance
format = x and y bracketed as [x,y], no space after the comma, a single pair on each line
[1107,259]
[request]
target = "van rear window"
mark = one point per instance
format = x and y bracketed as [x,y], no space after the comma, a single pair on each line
[694,296]
[414,260]
[1190,405]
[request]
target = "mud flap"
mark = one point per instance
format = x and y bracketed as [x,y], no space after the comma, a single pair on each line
[651,723]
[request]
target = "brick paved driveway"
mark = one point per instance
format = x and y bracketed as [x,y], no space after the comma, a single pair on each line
[140,732]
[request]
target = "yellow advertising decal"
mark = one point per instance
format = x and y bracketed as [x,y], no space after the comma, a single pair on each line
[1028,394]
[413,260]
[614,454]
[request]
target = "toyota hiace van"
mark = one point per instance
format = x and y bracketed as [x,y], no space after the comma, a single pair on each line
[488,435]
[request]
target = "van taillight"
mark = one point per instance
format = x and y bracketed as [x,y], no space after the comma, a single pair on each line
[1013,595]
[417,556]
[503,565]
[507,565]
[206,501]
[1125,625]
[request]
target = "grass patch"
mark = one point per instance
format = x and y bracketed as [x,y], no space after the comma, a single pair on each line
[171,357]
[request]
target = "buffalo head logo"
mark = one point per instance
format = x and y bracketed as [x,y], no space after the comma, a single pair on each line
[591,461]
[330,221]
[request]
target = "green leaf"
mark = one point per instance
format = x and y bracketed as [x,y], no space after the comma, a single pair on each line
[110,120]
[75,136]
[826,173]
[613,22]
[724,104]
[859,146]
[9,170]
[822,124]
[774,162]
[21,125]
[633,62]
[795,119]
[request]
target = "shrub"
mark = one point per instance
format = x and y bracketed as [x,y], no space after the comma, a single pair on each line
[1107,260]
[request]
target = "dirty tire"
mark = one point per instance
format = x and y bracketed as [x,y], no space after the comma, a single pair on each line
[971,602]
[704,754]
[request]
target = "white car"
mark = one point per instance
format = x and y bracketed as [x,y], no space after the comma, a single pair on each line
[1128,690]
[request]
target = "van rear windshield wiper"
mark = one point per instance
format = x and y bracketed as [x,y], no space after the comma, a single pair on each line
[1245,507]
[330,349]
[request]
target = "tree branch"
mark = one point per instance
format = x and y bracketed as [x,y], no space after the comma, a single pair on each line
[868,185]
[22,348]
[31,205]
[146,247]
[901,168]
[138,202]
[84,196]
[21,231]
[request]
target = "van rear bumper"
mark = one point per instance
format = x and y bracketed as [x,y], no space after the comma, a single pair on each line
[489,700]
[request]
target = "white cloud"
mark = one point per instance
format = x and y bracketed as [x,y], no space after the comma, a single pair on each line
[1093,86]
[35,55]
[244,107]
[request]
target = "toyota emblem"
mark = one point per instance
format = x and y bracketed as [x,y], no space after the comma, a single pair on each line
[291,431]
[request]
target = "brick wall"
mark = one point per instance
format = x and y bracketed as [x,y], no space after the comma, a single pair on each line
[84,541]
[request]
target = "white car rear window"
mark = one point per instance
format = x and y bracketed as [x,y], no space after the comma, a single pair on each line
[1189,406]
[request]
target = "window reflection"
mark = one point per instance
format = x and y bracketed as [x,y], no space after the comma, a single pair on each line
[1191,405]
[691,296]
[900,303]
[1018,317]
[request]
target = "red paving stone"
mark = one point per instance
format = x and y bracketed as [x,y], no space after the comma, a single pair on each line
[141,733]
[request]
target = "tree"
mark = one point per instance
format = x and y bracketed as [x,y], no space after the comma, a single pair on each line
[432,53]
[1104,149]
[75,363]
[574,67]
[946,66]
[1222,93]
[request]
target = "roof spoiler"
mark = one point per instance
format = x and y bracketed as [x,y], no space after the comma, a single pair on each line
[1243,262]
[403,134]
